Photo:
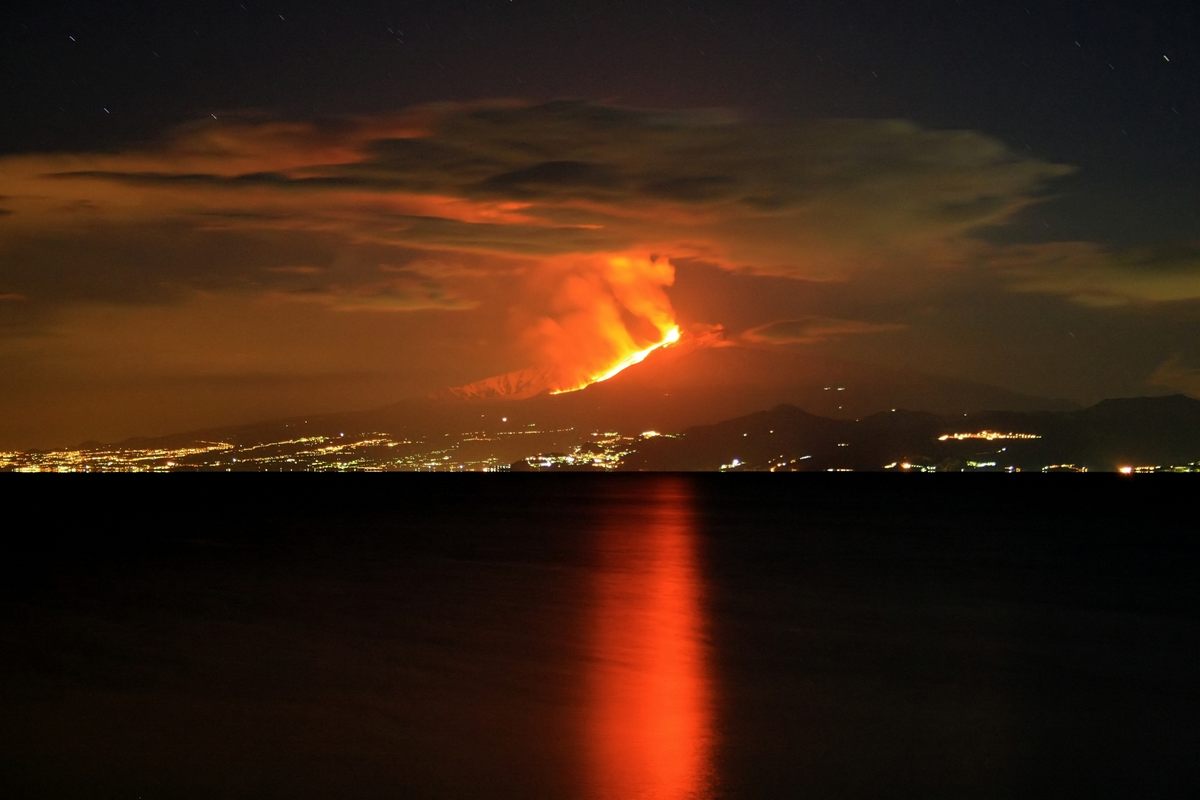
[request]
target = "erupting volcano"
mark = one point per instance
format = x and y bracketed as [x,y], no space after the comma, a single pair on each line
[670,337]
[603,316]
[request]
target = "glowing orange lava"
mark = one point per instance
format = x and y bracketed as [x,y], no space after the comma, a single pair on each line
[669,337]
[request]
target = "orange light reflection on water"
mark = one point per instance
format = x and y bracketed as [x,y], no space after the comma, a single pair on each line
[649,731]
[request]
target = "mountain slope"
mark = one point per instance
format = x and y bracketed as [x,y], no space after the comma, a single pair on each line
[1135,431]
[671,390]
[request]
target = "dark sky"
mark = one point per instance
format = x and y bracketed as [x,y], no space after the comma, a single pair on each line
[232,210]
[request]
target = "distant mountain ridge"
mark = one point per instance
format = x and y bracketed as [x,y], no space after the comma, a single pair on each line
[671,390]
[1140,431]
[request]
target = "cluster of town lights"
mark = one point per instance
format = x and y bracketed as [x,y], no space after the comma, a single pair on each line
[986,435]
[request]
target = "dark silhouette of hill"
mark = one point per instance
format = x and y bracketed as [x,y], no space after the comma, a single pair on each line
[681,387]
[671,390]
[1142,431]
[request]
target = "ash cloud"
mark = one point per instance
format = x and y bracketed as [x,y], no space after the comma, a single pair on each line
[811,330]
[1091,274]
[1179,374]
[817,198]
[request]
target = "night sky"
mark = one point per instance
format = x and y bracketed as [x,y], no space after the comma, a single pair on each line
[235,211]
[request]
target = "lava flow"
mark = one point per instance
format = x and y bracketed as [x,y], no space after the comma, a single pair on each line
[669,337]
[604,314]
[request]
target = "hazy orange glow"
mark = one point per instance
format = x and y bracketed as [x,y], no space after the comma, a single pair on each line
[650,725]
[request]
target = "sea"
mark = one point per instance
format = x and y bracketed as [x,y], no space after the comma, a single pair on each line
[617,637]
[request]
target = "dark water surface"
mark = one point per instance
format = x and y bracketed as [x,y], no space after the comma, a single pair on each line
[600,637]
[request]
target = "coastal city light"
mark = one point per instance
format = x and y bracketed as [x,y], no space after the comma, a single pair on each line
[986,435]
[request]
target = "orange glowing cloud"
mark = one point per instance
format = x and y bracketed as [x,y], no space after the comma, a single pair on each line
[607,314]
[670,337]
